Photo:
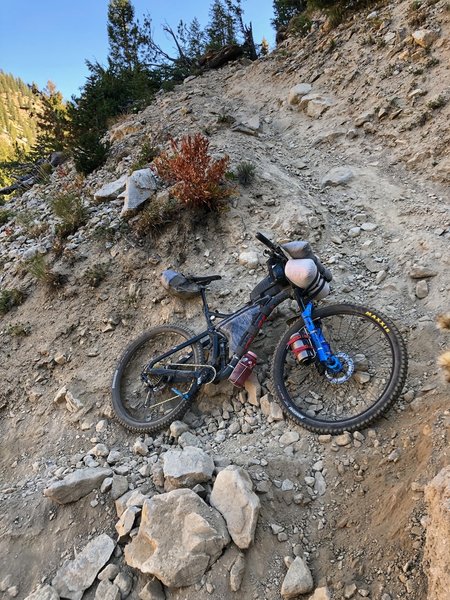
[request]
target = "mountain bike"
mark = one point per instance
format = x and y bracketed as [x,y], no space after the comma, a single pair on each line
[336,368]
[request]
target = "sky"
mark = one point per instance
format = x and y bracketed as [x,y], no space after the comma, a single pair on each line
[45,40]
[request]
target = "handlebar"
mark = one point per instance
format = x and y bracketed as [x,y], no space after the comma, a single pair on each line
[262,238]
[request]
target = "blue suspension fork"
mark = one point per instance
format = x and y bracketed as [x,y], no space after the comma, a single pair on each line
[320,344]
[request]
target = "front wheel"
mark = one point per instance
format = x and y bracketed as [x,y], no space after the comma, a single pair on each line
[374,359]
[147,403]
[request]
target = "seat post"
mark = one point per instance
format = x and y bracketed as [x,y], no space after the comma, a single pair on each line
[205,304]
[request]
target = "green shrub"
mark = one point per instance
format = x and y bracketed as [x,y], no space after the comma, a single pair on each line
[94,275]
[19,330]
[9,299]
[437,102]
[70,210]
[300,25]
[245,173]
[41,271]
[5,216]
[158,213]
[147,155]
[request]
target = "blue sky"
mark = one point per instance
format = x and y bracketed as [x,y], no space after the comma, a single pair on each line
[50,39]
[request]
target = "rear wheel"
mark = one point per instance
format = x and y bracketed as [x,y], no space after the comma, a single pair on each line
[147,403]
[374,359]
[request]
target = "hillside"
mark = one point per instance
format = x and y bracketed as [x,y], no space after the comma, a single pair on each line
[358,509]
[17,116]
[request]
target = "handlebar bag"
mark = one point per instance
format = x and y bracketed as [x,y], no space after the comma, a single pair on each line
[303,273]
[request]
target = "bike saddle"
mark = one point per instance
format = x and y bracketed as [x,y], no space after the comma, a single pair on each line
[204,278]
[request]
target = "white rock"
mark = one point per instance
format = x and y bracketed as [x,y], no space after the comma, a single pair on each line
[140,186]
[77,575]
[186,468]
[76,485]
[424,37]
[249,259]
[298,580]
[180,536]
[297,92]
[233,496]
[337,176]
[111,190]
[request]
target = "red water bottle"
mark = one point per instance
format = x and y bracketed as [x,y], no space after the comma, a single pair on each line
[243,369]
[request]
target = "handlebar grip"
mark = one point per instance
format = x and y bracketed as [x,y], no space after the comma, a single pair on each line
[262,238]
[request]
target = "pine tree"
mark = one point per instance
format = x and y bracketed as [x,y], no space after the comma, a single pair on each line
[221,30]
[284,10]
[53,122]
[123,36]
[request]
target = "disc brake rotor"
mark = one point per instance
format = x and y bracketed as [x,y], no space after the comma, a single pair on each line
[348,368]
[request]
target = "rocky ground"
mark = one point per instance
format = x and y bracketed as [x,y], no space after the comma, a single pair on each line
[352,508]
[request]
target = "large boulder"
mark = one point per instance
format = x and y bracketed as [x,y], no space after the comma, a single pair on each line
[337,176]
[78,575]
[76,485]
[186,468]
[234,498]
[437,546]
[180,536]
[141,185]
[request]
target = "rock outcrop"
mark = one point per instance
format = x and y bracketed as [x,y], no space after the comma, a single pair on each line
[437,547]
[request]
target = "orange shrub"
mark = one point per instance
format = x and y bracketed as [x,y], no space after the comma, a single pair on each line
[196,175]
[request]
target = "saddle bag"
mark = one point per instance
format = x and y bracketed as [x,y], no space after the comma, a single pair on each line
[179,285]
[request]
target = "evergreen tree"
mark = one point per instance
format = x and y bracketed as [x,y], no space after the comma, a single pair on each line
[53,122]
[123,36]
[221,29]
[284,10]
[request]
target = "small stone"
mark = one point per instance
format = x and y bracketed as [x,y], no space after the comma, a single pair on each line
[298,580]
[77,575]
[177,428]
[249,259]
[126,521]
[107,591]
[350,590]
[125,583]
[287,485]
[290,437]
[76,485]
[421,272]
[140,448]
[344,439]
[253,389]
[109,572]
[422,290]
[424,37]
[368,226]
[119,486]
[337,176]
[276,414]
[237,573]
[234,427]
[380,277]
[354,232]
[189,439]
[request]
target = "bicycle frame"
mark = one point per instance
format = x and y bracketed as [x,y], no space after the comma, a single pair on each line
[216,341]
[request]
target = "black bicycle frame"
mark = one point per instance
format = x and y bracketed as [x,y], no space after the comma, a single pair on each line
[213,338]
